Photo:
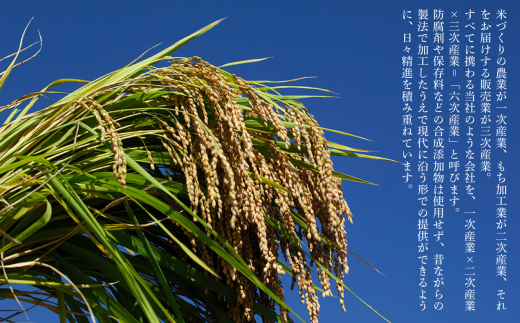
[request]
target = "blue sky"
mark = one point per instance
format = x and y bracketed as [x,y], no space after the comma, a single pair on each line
[354,49]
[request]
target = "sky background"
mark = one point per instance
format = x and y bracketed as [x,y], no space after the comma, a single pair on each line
[353,48]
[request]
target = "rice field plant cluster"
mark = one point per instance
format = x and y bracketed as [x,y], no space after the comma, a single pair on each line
[170,194]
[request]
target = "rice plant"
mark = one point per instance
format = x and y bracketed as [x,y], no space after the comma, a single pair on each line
[170,194]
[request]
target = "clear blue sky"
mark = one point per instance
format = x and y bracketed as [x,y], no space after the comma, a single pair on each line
[354,48]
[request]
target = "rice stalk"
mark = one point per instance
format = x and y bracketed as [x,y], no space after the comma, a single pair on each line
[240,176]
